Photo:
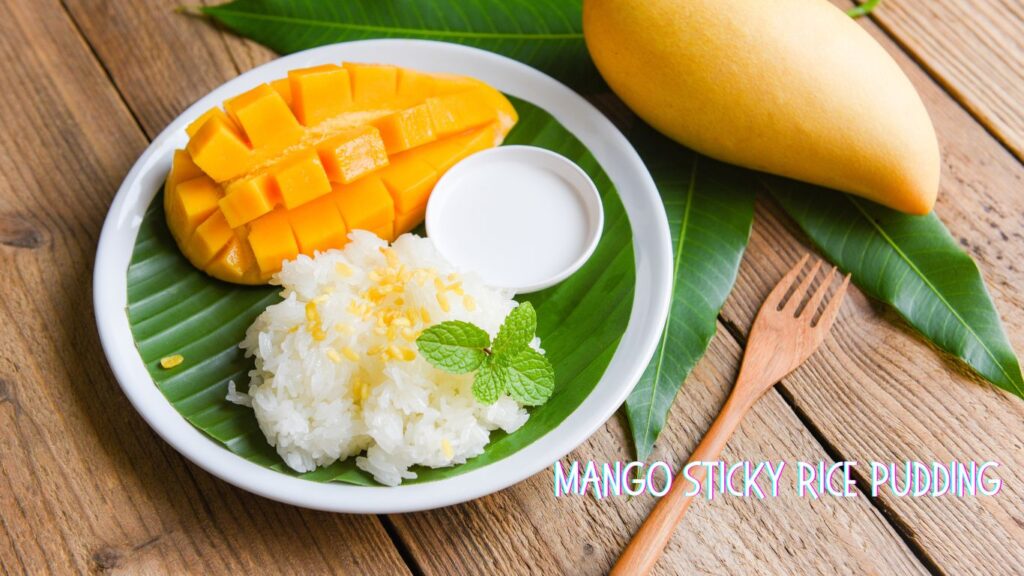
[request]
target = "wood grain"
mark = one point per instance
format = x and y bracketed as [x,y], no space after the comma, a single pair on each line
[878,392]
[524,529]
[779,341]
[85,486]
[975,50]
[101,492]
[154,55]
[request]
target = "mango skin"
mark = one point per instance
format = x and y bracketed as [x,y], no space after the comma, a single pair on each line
[791,87]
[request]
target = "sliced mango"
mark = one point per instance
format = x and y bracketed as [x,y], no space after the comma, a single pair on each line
[372,82]
[272,241]
[247,199]
[318,226]
[367,205]
[233,261]
[196,124]
[406,129]
[292,166]
[219,149]
[409,179]
[283,87]
[208,239]
[182,168]
[319,93]
[443,154]
[300,178]
[460,111]
[352,154]
[265,118]
[190,204]
[415,85]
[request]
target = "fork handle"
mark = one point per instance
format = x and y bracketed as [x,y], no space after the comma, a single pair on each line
[647,544]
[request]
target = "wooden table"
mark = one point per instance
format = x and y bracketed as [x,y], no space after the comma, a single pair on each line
[86,486]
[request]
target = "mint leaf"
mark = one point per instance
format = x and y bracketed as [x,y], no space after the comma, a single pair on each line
[516,331]
[489,382]
[531,378]
[454,346]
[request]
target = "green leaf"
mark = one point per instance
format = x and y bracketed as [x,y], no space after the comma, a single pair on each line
[546,34]
[530,378]
[173,308]
[864,9]
[516,331]
[913,264]
[710,209]
[490,382]
[454,346]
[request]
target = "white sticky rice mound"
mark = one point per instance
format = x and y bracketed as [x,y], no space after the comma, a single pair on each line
[332,380]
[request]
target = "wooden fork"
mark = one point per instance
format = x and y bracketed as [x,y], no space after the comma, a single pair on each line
[783,336]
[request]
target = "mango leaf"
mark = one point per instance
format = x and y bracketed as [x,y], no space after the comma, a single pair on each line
[913,264]
[710,209]
[175,309]
[547,34]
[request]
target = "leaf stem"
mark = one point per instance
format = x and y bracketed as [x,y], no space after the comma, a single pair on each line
[863,9]
[190,10]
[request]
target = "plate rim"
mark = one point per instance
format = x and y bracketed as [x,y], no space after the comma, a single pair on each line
[653,261]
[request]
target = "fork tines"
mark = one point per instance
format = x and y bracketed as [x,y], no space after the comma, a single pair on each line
[796,295]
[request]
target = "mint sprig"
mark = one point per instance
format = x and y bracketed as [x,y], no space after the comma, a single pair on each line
[508,366]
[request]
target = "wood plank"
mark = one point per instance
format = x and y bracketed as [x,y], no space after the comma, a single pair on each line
[973,49]
[245,53]
[484,514]
[443,540]
[526,529]
[160,60]
[876,391]
[85,485]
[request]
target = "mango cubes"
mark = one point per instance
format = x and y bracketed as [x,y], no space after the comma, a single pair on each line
[292,166]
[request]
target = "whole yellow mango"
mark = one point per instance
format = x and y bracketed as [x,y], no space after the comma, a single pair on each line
[791,87]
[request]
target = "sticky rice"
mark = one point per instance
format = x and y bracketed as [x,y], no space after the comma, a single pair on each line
[338,372]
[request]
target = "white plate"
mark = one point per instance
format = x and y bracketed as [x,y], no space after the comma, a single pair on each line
[652,246]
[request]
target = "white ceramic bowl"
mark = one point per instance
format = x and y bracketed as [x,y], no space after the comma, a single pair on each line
[522,242]
[652,245]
